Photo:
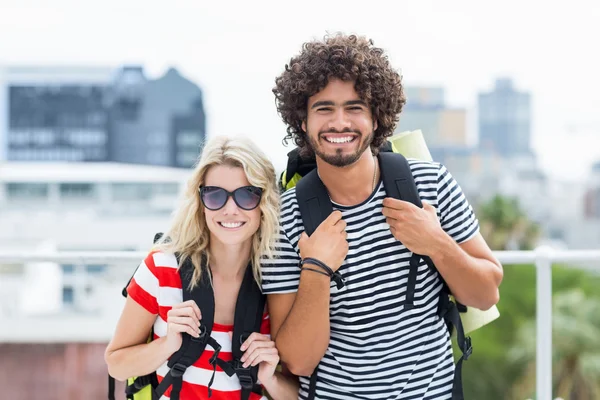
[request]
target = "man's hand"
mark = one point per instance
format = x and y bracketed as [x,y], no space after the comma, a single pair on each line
[328,243]
[417,228]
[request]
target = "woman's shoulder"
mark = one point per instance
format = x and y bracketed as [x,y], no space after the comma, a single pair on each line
[163,265]
[161,259]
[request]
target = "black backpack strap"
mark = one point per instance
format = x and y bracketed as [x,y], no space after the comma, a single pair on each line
[313,201]
[315,206]
[191,348]
[449,311]
[139,383]
[249,313]
[398,178]
[312,388]
[399,183]
[111,388]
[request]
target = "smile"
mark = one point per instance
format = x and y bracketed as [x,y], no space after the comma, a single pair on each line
[231,225]
[339,139]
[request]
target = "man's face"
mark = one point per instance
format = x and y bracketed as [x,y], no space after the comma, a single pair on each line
[339,125]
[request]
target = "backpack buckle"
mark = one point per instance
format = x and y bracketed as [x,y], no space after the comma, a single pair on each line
[243,374]
[139,383]
[202,336]
[178,370]
[243,337]
[468,348]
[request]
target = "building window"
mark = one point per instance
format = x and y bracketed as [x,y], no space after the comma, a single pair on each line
[186,158]
[68,269]
[76,190]
[68,295]
[169,189]
[25,191]
[131,191]
[95,269]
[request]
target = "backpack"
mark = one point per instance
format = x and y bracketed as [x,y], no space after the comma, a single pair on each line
[315,205]
[249,310]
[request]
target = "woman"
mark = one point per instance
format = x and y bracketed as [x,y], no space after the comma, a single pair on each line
[227,221]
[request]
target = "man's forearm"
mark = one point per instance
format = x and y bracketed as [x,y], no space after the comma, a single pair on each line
[473,281]
[304,335]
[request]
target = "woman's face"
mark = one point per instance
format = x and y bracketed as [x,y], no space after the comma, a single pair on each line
[232,223]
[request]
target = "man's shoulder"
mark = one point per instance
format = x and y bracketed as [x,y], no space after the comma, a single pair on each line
[420,166]
[289,203]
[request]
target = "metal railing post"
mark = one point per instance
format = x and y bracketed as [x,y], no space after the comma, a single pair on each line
[543,264]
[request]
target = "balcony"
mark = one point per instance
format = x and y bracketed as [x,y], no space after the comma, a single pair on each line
[52,302]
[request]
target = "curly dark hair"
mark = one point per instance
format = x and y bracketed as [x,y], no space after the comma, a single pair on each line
[349,58]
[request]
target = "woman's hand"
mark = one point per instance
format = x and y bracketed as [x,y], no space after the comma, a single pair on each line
[182,317]
[260,350]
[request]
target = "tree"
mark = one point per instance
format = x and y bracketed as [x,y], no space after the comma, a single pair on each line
[505,225]
[576,348]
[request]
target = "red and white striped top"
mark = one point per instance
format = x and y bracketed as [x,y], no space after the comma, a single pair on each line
[156,286]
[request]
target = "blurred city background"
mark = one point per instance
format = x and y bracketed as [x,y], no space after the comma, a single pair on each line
[104,107]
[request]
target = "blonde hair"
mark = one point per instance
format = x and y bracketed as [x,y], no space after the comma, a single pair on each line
[189,236]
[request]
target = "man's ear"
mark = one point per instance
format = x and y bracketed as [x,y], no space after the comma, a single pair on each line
[304,126]
[375,125]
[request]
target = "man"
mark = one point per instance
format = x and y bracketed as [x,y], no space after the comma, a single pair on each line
[340,99]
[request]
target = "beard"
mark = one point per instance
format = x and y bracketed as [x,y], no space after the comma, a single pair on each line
[339,159]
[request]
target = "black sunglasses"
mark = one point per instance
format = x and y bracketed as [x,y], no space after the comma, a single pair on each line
[246,197]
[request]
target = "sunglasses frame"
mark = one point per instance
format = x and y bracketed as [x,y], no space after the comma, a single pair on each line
[202,189]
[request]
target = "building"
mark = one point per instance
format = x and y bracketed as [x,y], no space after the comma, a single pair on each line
[55,113]
[505,120]
[158,122]
[426,110]
[100,114]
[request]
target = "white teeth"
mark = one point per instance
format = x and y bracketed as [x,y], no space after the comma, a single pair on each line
[340,139]
[231,224]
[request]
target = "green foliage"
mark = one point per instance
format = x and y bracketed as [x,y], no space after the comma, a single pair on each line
[504,224]
[493,371]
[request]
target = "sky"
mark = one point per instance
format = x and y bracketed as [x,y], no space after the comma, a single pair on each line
[235,49]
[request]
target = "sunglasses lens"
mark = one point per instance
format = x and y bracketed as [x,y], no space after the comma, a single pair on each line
[213,197]
[248,197]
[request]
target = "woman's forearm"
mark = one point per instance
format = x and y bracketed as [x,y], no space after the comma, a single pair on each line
[138,360]
[282,387]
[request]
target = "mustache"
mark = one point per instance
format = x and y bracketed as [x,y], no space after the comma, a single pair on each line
[345,130]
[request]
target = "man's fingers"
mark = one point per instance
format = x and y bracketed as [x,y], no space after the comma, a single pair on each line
[341,225]
[397,204]
[391,213]
[333,218]
[303,238]
[429,207]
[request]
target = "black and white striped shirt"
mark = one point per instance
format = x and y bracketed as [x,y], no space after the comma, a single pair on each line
[377,349]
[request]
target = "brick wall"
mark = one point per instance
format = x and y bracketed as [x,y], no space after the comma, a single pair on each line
[72,371]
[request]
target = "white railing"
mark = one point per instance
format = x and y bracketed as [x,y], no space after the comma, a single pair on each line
[543,259]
